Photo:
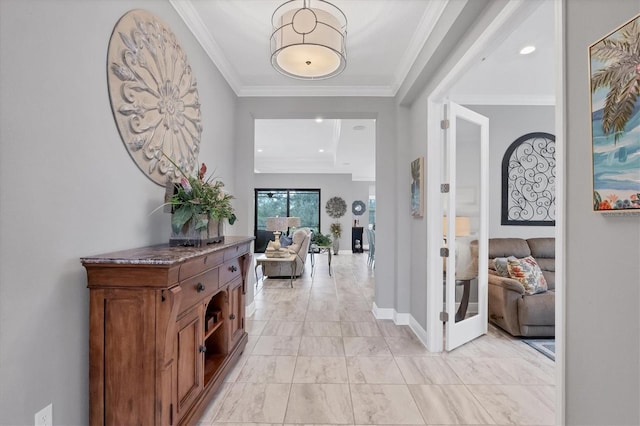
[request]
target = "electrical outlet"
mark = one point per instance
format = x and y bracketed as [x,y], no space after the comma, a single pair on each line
[44,417]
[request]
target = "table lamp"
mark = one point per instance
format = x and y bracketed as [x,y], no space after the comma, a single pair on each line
[277,224]
[293,223]
[466,249]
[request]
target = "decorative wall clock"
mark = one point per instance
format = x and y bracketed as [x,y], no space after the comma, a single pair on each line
[358,207]
[153,96]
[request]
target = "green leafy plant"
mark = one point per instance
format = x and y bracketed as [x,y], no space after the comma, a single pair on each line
[335,229]
[199,199]
[321,240]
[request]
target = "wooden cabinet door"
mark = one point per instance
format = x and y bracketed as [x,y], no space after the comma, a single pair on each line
[122,357]
[190,358]
[236,313]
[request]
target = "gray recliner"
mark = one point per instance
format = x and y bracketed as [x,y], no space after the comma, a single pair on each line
[510,308]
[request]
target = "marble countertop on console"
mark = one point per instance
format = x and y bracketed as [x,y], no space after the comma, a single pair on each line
[161,254]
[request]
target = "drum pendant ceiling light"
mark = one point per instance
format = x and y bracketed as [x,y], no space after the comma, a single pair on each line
[308,40]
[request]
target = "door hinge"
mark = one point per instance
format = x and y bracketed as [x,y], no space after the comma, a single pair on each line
[444,317]
[444,188]
[444,124]
[444,252]
[170,414]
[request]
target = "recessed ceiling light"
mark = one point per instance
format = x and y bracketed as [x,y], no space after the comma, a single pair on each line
[359,127]
[259,150]
[319,120]
[321,150]
[527,49]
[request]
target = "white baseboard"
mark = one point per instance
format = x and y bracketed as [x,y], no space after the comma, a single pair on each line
[390,313]
[408,319]
[250,309]
[382,313]
[420,332]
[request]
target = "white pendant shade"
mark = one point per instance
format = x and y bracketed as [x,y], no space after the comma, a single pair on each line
[308,42]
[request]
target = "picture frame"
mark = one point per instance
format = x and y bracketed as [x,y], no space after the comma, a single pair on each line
[417,187]
[615,119]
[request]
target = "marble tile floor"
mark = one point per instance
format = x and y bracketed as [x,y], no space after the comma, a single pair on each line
[317,355]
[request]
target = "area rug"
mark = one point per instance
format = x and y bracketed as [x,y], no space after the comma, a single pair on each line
[546,347]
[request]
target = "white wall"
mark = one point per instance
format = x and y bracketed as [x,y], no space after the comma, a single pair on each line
[69,189]
[330,185]
[506,124]
[602,253]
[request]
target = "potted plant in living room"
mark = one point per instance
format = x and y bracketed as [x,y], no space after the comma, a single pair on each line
[336,230]
[336,207]
[198,209]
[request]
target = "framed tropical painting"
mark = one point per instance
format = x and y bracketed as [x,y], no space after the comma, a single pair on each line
[614,63]
[417,185]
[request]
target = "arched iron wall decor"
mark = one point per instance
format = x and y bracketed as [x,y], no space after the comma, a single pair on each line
[153,96]
[528,181]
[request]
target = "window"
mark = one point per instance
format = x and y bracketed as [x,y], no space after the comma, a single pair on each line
[302,203]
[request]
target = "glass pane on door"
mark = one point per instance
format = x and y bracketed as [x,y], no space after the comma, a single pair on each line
[467,220]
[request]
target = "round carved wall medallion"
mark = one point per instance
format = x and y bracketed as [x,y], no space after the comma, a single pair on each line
[336,207]
[153,96]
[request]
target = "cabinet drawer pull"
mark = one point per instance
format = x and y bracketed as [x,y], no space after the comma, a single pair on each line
[203,349]
[200,287]
[232,316]
[233,268]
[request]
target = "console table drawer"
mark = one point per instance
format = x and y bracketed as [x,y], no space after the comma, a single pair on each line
[236,251]
[198,288]
[201,264]
[229,271]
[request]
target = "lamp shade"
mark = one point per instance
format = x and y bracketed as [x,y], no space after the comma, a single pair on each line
[308,39]
[463,226]
[293,222]
[276,224]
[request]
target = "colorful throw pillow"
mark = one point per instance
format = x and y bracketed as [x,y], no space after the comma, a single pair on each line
[529,274]
[500,264]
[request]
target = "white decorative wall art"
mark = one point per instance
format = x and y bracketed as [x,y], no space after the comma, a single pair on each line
[153,96]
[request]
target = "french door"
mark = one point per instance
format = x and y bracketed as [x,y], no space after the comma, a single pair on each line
[465,224]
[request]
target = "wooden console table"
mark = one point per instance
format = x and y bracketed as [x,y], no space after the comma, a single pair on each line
[166,325]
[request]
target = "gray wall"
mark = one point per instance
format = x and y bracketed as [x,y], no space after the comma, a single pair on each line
[69,189]
[602,253]
[506,124]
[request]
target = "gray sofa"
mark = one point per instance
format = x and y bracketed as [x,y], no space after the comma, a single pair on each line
[510,308]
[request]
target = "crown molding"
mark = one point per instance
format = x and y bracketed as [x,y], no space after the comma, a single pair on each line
[426,26]
[192,19]
[545,100]
[311,91]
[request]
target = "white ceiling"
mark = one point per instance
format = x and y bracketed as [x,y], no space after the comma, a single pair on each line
[384,39]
